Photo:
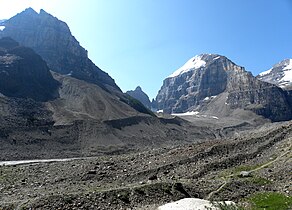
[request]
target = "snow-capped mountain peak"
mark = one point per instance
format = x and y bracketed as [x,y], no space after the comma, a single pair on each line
[194,63]
[288,64]
[280,74]
[197,62]
[265,72]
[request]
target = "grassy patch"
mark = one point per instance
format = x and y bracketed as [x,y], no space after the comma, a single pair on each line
[270,201]
[259,180]
[245,168]
[238,169]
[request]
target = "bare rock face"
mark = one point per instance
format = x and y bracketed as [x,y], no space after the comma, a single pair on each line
[52,39]
[141,96]
[24,74]
[206,76]
[192,83]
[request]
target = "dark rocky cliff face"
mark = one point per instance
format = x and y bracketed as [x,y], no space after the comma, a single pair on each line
[141,96]
[206,76]
[52,39]
[24,74]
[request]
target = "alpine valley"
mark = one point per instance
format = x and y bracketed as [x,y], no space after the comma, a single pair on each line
[71,139]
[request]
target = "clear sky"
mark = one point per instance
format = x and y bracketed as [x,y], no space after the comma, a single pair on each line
[140,42]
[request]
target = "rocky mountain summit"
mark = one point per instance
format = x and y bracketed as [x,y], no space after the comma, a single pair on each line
[280,74]
[141,96]
[214,83]
[24,74]
[52,39]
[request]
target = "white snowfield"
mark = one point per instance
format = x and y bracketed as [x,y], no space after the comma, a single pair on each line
[287,72]
[2,28]
[191,204]
[289,65]
[185,113]
[265,72]
[194,113]
[24,162]
[194,63]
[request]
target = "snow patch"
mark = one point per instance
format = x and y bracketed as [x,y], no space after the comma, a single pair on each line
[287,72]
[185,114]
[70,73]
[287,76]
[209,98]
[191,204]
[289,66]
[194,63]
[2,28]
[216,58]
[22,162]
[265,72]
[160,111]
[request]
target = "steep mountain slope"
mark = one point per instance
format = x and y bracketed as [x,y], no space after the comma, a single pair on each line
[52,39]
[280,74]
[24,74]
[85,120]
[210,80]
[141,96]
[44,114]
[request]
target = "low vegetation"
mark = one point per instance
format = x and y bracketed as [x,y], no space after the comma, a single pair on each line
[270,201]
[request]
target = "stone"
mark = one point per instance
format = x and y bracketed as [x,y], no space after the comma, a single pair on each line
[93,172]
[245,174]
[192,204]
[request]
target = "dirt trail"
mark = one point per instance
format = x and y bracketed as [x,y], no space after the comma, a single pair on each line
[226,179]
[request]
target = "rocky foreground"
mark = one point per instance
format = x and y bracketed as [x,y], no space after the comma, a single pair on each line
[230,169]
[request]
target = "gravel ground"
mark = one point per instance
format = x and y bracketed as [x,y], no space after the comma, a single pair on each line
[145,180]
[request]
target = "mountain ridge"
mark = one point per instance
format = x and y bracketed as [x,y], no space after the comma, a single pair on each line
[193,88]
[280,74]
[52,39]
[140,95]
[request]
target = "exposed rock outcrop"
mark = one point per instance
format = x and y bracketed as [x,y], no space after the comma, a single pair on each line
[24,74]
[52,39]
[207,76]
[141,96]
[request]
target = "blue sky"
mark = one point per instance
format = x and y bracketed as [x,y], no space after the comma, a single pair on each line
[140,42]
